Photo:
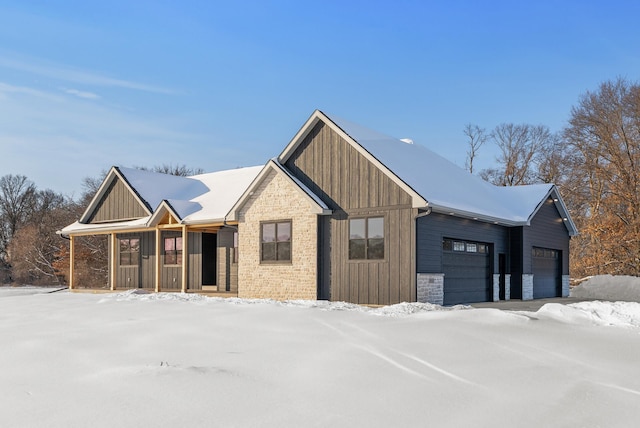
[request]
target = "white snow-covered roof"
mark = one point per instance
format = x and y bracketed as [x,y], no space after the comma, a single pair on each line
[197,199]
[440,184]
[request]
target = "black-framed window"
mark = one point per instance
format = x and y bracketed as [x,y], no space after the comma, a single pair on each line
[546,253]
[366,238]
[129,251]
[173,250]
[275,241]
[460,246]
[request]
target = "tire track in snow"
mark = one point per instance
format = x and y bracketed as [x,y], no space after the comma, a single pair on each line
[438,369]
[619,388]
[393,361]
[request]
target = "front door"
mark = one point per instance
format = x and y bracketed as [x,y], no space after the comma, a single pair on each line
[209,259]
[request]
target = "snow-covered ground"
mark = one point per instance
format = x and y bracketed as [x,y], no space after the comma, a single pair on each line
[175,360]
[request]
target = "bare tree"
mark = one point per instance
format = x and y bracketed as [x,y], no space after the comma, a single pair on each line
[476,138]
[34,247]
[179,170]
[604,131]
[17,202]
[523,151]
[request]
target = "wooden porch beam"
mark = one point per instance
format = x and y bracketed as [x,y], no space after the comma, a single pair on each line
[72,256]
[158,258]
[114,261]
[185,256]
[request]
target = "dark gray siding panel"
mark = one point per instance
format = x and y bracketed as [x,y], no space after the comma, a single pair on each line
[433,228]
[227,267]
[547,230]
[143,275]
[118,203]
[194,265]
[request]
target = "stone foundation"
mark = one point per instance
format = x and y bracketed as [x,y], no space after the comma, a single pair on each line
[527,286]
[565,285]
[507,287]
[430,288]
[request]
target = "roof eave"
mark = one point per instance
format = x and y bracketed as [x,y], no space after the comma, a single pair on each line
[441,209]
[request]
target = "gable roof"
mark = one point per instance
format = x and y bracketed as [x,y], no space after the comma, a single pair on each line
[317,205]
[433,181]
[198,199]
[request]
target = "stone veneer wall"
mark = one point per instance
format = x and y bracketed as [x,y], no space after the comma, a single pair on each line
[527,286]
[277,199]
[507,286]
[496,287]
[430,288]
[565,285]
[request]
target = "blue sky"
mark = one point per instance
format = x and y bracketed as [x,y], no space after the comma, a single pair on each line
[214,85]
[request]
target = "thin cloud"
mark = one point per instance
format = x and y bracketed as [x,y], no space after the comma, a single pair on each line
[78,76]
[82,94]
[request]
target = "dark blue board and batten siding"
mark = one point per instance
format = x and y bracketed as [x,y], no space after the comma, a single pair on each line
[547,231]
[459,283]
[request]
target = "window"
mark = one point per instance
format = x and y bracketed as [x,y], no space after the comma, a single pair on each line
[464,246]
[366,238]
[129,251]
[545,253]
[275,242]
[173,250]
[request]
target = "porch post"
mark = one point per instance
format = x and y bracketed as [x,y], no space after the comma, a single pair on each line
[72,256]
[158,258]
[185,256]
[114,261]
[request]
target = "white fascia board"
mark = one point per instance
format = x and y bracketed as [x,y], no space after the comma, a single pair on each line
[417,200]
[78,228]
[113,173]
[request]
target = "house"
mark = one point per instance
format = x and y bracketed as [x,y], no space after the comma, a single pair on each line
[166,233]
[377,220]
[343,213]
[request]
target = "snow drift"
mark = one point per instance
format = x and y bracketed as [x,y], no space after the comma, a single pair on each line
[165,360]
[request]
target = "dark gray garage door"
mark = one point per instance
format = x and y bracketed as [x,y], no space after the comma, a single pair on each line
[467,272]
[547,274]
